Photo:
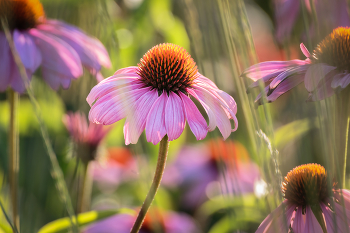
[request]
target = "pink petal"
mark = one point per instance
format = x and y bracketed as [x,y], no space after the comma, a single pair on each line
[155,125]
[304,50]
[298,224]
[263,69]
[205,81]
[324,88]
[5,64]
[341,80]
[311,223]
[221,119]
[116,105]
[195,120]
[127,70]
[287,73]
[57,55]
[174,116]
[106,86]
[285,86]
[89,42]
[136,120]
[315,74]
[27,50]
[54,79]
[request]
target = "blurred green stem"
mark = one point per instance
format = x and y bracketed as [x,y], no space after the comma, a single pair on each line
[346,150]
[85,190]
[162,155]
[13,155]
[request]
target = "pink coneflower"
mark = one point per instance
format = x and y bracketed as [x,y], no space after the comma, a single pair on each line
[330,14]
[155,96]
[324,71]
[311,204]
[86,136]
[60,49]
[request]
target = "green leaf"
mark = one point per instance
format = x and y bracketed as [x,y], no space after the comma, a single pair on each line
[63,225]
[291,131]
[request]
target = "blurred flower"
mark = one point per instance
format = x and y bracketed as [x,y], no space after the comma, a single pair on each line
[330,15]
[59,48]
[212,169]
[118,166]
[155,221]
[308,198]
[322,72]
[86,136]
[155,96]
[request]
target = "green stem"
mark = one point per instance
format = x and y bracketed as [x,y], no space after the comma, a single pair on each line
[346,150]
[85,189]
[162,155]
[13,156]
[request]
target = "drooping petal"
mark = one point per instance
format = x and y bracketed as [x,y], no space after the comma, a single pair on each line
[341,80]
[5,64]
[311,223]
[106,86]
[221,119]
[263,69]
[285,86]
[115,106]
[127,70]
[155,124]
[287,73]
[340,225]
[315,74]
[195,120]
[57,55]
[89,42]
[136,120]
[342,217]
[27,50]
[298,224]
[324,88]
[174,116]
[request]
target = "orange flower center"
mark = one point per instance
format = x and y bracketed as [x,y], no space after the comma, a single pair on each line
[21,14]
[334,50]
[306,185]
[167,67]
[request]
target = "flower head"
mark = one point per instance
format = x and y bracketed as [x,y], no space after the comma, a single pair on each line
[86,136]
[155,96]
[311,204]
[324,71]
[330,14]
[60,49]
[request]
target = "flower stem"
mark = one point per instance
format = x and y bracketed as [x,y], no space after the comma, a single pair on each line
[13,155]
[346,148]
[85,189]
[162,155]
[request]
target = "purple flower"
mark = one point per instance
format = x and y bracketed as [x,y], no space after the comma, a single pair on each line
[306,194]
[196,167]
[166,222]
[86,136]
[155,97]
[60,49]
[330,15]
[323,72]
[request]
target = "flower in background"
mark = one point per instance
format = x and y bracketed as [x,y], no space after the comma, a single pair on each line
[210,169]
[323,72]
[309,201]
[330,15]
[60,49]
[155,221]
[118,166]
[86,136]
[155,96]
